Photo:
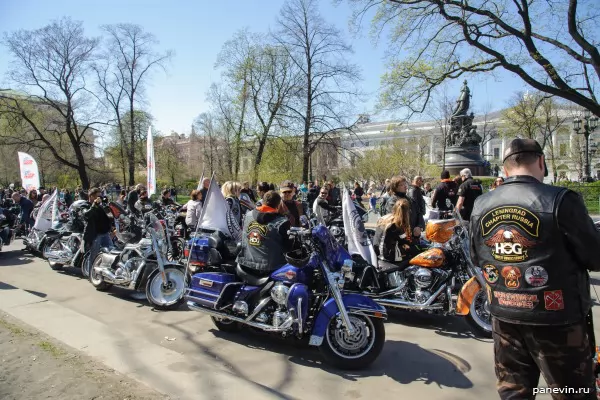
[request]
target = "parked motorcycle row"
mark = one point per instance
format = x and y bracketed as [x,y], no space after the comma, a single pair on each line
[334,300]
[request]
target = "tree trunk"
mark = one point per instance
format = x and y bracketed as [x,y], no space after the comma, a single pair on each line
[238,134]
[131,152]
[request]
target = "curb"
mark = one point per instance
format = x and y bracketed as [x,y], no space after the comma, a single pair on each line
[157,367]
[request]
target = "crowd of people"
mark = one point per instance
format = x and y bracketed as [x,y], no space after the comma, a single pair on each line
[540,236]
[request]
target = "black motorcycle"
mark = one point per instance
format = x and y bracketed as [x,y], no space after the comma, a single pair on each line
[8,222]
[64,246]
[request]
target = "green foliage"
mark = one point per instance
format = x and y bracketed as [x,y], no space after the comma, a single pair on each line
[403,157]
[590,192]
[282,160]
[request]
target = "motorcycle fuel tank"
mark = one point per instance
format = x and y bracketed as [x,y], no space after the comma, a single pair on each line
[290,274]
[431,258]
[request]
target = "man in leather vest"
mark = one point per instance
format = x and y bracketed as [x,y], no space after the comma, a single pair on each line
[265,238]
[535,243]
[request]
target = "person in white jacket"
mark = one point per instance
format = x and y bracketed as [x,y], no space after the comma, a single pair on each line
[194,209]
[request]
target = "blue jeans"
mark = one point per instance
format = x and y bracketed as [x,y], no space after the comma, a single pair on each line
[102,240]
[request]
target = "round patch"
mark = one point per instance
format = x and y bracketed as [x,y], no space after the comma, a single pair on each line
[536,276]
[490,273]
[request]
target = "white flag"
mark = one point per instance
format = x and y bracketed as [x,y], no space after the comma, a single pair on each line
[217,215]
[150,163]
[200,182]
[45,215]
[30,176]
[356,236]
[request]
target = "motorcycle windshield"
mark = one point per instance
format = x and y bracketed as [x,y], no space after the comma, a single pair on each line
[157,231]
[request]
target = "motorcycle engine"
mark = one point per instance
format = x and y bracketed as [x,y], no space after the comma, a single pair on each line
[423,282]
[73,243]
[423,278]
[127,270]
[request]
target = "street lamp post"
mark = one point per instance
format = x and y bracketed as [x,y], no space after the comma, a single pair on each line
[589,125]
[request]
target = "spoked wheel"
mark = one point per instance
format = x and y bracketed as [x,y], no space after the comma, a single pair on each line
[225,325]
[96,277]
[175,254]
[166,295]
[356,350]
[479,316]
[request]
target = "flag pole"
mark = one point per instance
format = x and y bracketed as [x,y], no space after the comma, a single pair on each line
[187,267]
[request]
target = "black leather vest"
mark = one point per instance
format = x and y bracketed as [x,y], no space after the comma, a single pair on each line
[262,245]
[531,276]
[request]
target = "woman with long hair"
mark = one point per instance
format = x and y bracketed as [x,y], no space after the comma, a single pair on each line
[231,191]
[194,209]
[497,182]
[393,235]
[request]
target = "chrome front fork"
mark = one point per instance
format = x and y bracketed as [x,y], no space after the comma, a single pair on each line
[337,296]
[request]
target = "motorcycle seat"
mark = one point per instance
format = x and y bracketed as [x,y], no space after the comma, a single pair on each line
[228,247]
[251,277]
[384,266]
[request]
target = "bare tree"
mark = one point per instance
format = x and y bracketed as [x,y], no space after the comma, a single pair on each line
[50,66]
[237,58]
[537,116]
[271,82]
[326,91]
[550,45]
[486,129]
[441,110]
[133,61]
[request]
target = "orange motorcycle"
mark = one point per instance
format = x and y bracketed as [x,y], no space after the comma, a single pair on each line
[442,279]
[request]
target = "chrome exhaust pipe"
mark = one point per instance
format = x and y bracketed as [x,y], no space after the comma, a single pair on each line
[287,324]
[109,276]
[397,303]
[59,256]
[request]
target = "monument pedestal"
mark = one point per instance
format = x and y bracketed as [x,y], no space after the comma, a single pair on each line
[458,158]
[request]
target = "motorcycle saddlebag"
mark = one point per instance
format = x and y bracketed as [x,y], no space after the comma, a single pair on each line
[206,288]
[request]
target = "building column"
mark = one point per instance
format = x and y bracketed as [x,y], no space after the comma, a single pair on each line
[431,153]
[503,147]
[488,150]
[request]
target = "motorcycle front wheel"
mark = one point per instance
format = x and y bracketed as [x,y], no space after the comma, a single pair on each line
[356,351]
[166,295]
[479,317]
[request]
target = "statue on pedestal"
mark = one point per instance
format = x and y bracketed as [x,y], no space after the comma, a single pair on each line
[463,141]
[462,131]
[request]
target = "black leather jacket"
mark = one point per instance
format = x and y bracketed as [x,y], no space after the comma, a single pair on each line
[416,218]
[535,243]
[416,195]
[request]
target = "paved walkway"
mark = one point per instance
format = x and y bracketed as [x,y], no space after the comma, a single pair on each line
[181,354]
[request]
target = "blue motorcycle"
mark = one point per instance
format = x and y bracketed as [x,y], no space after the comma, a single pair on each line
[303,298]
